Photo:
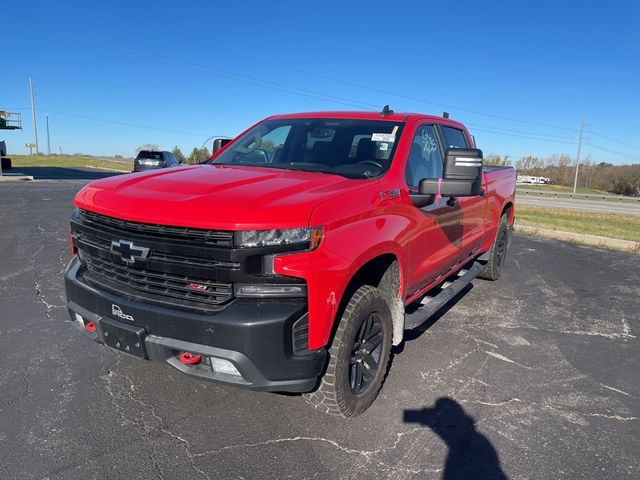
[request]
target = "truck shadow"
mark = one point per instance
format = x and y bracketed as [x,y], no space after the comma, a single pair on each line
[63,173]
[471,455]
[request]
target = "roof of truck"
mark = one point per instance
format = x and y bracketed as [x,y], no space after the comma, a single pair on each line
[368,115]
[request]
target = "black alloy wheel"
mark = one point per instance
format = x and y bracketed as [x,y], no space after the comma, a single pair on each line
[365,354]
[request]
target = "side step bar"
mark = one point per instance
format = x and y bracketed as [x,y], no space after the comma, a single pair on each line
[449,289]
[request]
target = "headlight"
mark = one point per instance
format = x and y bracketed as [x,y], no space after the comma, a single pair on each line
[289,236]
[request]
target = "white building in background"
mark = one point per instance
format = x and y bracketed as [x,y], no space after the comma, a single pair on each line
[532,179]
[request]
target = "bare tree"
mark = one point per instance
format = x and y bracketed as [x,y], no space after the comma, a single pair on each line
[147,146]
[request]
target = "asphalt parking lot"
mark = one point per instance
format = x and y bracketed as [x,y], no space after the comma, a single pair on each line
[532,376]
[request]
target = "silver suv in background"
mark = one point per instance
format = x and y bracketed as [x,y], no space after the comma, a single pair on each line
[151,159]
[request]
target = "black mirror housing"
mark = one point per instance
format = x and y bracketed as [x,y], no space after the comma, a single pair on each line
[462,176]
[218,143]
[450,188]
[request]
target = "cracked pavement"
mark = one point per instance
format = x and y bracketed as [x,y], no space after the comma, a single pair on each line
[537,376]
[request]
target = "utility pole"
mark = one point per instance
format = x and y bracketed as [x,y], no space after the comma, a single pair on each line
[48,143]
[575,181]
[33,116]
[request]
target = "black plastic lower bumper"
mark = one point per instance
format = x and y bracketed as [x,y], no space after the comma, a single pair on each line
[254,335]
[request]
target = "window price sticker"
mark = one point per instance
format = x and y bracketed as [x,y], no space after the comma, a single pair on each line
[383,137]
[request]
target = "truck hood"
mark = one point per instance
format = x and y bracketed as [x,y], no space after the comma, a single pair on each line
[215,196]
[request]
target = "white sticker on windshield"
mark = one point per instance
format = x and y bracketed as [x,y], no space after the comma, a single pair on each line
[383,146]
[383,137]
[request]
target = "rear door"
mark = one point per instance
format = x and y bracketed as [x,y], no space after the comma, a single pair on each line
[471,209]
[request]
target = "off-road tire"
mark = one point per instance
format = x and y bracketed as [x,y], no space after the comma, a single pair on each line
[498,252]
[334,394]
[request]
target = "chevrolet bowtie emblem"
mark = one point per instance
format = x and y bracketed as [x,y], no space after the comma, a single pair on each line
[128,251]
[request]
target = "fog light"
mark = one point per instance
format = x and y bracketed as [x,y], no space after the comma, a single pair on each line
[220,365]
[243,290]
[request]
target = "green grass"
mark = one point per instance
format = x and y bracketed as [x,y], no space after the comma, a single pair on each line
[69,161]
[560,188]
[624,227]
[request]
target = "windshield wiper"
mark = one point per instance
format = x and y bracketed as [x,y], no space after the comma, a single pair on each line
[271,165]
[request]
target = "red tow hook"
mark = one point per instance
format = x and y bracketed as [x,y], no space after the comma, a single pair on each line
[90,327]
[189,358]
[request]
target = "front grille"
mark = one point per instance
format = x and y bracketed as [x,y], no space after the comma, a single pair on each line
[104,244]
[133,281]
[209,237]
[186,268]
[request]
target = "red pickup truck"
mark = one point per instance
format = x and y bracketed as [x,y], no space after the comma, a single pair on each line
[296,257]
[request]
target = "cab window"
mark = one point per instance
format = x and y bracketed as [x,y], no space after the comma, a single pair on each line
[425,159]
[453,137]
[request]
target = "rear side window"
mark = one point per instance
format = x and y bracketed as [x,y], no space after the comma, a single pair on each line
[453,137]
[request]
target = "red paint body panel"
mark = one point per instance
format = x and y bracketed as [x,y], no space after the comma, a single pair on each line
[214,196]
[359,223]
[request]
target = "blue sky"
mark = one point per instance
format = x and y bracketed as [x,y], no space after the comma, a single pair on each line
[521,75]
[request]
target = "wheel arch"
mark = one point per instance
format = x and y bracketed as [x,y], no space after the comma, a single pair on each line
[509,210]
[384,272]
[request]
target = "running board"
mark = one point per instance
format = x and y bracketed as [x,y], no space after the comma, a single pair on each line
[449,289]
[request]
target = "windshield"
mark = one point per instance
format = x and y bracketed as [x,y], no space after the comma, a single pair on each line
[351,148]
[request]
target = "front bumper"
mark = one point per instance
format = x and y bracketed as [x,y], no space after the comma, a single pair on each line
[256,336]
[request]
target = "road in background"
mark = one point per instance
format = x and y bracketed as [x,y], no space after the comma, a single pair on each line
[581,205]
[535,376]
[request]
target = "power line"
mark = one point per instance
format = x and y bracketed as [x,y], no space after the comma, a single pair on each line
[296,90]
[615,152]
[126,124]
[338,80]
[373,89]
[115,122]
[509,130]
[289,88]
[542,137]
[230,75]
[614,140]
[525,136]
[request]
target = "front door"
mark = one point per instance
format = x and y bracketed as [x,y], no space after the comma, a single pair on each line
[434,247]
[471,209]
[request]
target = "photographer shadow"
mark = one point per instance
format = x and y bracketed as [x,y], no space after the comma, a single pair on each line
[471,455]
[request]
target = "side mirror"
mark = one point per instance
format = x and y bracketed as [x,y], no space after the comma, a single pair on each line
[462,177]
[462,172]
[218,143]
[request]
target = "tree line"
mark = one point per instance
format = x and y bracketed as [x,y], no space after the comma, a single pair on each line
[560,169]
[197,155]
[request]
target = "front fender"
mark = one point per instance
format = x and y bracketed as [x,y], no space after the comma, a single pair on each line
[329,269]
